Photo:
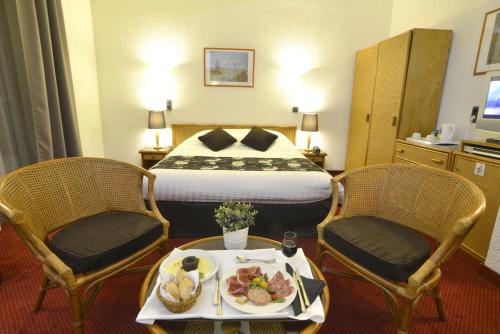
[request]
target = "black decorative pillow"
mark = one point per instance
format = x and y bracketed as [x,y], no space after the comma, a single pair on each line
[259,139]
[217,139]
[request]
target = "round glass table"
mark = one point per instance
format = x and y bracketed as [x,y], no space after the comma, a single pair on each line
[207,326]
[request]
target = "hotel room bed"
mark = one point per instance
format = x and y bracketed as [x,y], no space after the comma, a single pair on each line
[289,191]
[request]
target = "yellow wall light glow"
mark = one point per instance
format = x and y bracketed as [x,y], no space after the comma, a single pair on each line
[157,82]
[294,62]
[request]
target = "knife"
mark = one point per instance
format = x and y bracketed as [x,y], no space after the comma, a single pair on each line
[301,284]
[299,292]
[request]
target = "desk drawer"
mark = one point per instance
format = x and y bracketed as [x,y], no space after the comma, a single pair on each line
[315,158]
[151,156]
[402,161]
[421,155]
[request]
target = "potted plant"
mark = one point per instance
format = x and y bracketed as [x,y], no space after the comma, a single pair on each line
[235,218]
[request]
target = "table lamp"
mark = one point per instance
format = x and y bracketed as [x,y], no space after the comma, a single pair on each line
[309,124]
[156,121]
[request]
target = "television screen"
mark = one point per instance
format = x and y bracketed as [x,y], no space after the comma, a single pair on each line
[492,106]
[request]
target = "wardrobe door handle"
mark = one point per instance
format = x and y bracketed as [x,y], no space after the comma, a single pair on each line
[368,117]
[394,120]
[437,161]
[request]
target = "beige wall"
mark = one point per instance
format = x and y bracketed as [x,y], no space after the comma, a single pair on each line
[462,89]
[149,50]
[80,36]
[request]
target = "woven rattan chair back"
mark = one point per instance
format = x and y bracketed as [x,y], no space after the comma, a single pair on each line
[54,193]
[435,202]
[46,196]
[426,199]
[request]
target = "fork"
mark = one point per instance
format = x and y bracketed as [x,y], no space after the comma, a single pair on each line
[217,298]
[216,290]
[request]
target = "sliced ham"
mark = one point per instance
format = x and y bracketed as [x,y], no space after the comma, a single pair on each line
[280,285]
[278,277]
[245,275]
[235,287]
[239,285]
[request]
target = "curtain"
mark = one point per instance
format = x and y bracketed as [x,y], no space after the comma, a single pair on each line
[37,114]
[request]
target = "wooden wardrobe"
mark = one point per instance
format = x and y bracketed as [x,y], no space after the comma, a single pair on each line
[397,91]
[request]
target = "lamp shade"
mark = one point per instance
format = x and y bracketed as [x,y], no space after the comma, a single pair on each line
[156,120]
[310,122]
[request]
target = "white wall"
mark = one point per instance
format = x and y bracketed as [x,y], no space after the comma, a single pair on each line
[80,37]
[151,50]
[462,89]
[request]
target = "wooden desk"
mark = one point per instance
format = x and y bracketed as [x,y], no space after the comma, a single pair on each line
[421,154]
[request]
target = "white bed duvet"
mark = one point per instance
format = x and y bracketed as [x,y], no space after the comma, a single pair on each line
[285,187]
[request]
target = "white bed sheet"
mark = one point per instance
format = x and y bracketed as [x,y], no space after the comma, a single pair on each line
[285,187]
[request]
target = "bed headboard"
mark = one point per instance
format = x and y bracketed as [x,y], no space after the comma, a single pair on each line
[181,132]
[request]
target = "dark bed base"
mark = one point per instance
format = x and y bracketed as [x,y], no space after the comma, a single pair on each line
[196,219]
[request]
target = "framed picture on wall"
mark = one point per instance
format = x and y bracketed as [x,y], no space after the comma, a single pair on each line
[229,67]
[488,52]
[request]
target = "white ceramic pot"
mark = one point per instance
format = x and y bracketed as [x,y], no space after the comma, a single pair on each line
[236,239]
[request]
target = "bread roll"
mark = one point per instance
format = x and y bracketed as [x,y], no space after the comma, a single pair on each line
[181,274]
[173,290]
[186,288]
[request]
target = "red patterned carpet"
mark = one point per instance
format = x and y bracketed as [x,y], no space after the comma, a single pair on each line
[472,304]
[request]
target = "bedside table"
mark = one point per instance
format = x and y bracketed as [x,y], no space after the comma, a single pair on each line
[318,159]
[150,156]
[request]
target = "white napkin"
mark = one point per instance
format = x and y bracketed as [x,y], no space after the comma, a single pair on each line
[153,309]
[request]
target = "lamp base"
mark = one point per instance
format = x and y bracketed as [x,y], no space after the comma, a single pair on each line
[157,148]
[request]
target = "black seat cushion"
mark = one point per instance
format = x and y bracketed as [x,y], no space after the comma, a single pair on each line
[259,139]
[98,241]
[217,139]
[388,249]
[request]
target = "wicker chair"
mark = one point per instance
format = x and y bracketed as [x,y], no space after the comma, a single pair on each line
[418,199]
[44,199]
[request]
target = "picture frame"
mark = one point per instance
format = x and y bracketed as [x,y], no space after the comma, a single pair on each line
[224,67]
[488,51]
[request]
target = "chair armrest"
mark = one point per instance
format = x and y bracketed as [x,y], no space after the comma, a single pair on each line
[335,203]
[422,273]
[439,256]
[51,260]
[152,201]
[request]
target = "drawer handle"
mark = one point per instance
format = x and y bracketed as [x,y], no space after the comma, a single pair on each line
[400,150]
[437,161]
[394,120]
[368,117]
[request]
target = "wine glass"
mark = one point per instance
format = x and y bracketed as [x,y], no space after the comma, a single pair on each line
[289,244]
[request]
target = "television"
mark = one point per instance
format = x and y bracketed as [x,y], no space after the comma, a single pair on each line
[489,112]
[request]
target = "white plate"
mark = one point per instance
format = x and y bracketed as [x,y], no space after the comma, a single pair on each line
[249,307]
[212,260]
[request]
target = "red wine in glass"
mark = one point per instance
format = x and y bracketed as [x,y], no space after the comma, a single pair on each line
[289,244]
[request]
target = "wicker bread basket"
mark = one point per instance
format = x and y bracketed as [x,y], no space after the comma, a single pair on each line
[180,306]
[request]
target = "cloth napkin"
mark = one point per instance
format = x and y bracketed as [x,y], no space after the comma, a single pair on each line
[313,287]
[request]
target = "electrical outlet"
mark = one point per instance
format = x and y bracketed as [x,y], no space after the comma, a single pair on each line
[479,169]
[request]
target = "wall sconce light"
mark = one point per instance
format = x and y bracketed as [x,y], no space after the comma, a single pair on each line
[169,105]
[295,109]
